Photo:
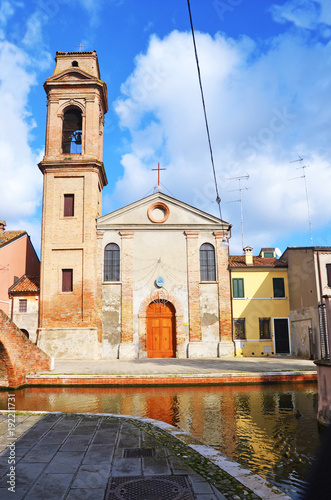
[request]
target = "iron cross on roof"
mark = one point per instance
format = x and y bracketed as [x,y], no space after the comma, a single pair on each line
[80,46]
[158,169]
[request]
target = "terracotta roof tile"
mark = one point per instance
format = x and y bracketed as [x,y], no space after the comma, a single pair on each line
[8,236]
[26,284]
[239,261]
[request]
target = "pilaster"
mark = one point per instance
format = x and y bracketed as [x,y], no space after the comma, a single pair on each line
[127,285]
[193,279]
[224,288]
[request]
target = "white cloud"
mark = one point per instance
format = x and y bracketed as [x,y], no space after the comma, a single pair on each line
[18,169]
[303,13]
[265,104]
[6,11]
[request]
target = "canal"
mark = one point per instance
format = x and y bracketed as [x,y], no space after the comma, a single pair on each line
[272,429]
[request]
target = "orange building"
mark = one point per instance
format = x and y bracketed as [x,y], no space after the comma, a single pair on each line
[17,257]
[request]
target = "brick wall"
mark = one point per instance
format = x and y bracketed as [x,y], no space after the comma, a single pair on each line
[224,289]
[193,279]
[127,285]
[19,355]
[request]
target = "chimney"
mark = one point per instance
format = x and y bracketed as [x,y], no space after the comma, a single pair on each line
[2,226]
[248,252]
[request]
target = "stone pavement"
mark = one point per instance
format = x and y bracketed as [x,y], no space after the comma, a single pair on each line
[181,366]
[57,456]
[142,372]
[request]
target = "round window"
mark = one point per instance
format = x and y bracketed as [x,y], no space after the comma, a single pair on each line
[158,212]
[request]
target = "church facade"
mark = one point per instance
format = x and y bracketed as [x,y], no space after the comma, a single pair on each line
[148,280]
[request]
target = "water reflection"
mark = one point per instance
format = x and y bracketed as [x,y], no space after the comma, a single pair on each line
[254,425]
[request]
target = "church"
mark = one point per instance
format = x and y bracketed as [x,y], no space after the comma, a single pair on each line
[149,280]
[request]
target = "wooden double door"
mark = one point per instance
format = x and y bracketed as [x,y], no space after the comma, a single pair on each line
[161,330]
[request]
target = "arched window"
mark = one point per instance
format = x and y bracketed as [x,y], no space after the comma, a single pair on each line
[26,333]
[72,131]
[112,262]
[74,64]
[207,263]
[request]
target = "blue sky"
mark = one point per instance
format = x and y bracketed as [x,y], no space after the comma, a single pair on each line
[265,69]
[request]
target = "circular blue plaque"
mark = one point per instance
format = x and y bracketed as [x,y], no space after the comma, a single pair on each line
[159,281]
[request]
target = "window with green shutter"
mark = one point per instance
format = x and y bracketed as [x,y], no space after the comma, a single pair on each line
[279,287]
[238,288]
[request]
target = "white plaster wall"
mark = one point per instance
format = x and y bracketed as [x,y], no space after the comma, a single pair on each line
[159,253]
[27,321]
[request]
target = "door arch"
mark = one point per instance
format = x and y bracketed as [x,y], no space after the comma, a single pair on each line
[161,330]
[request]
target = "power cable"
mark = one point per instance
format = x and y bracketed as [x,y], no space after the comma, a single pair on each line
[218,199]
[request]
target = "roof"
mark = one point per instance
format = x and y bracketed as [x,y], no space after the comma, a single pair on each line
[135,215]
[239,261]
[9,236]
[26,284]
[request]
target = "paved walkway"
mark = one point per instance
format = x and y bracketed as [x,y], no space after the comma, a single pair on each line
[181,366]
[59,456]
[142,372]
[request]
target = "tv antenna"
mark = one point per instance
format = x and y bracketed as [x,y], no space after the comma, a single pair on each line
[303,176]
[240,189]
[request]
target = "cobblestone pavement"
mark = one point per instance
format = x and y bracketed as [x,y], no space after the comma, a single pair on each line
[59,456]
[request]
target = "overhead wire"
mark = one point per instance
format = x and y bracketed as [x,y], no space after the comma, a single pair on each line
[218,199]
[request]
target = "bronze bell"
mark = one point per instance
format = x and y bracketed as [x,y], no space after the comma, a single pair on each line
[78,138]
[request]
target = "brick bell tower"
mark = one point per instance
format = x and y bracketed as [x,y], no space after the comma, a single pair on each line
[74,176]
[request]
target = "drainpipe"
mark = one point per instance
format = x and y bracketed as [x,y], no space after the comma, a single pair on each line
[319,275]
[324,300]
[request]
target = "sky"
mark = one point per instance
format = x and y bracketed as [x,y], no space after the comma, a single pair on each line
[266,74]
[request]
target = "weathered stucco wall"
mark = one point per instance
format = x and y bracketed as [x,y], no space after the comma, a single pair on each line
[69,343]
[111,319]
[324,392]
[301,321]
[209,312]
[29,320]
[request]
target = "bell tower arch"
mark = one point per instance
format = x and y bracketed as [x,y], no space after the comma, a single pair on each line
[74,177]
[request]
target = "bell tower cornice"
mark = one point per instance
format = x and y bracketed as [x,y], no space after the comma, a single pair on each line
[77,101]
[68,164]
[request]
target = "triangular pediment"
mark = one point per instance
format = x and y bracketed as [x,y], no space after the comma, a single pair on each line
[72,74]
[160,210]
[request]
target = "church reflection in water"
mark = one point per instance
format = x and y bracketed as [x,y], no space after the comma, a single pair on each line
[272,430]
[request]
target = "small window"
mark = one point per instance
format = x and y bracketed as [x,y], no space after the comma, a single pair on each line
[268,255]
[328,274]
[264,326]
[279,287]
[207,263]
[238,288]
[69,204]
[239,329]
[26,333]
[112,263]
[23,305]
[74,64]
[67,282]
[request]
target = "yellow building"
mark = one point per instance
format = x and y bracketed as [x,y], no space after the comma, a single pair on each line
[260,304]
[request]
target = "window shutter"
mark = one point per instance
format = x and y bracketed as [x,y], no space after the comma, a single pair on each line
[68,210]
[279,287]
[328,273]
[67,282]
[238,288]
